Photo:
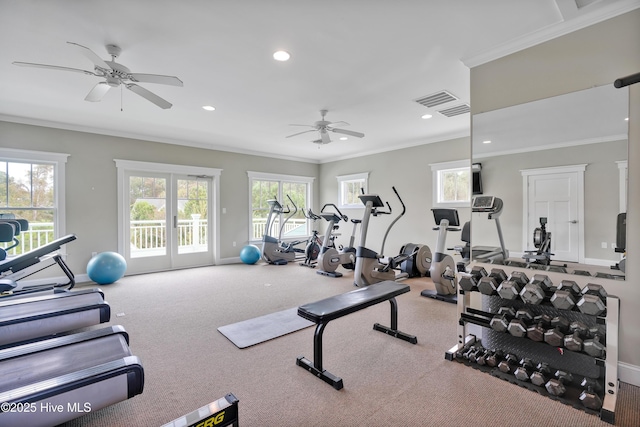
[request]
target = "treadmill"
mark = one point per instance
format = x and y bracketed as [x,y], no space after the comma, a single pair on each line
[56,380]
[492,206]
[40,314]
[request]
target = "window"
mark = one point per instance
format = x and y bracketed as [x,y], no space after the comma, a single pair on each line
[32,188]
[451,184]
[350,187]
[292,192]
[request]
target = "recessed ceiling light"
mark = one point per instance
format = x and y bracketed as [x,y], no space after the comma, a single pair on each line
[343,138]
[209,108]
[486,142]
[281,55]
[427,116]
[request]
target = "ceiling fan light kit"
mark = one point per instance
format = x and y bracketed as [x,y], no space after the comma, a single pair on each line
[323,127]
[115,74]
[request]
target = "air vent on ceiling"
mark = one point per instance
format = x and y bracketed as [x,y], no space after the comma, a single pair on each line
[436,99]
[455,111]
[582,3]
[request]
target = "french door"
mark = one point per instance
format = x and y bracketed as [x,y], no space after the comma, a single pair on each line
[167,218]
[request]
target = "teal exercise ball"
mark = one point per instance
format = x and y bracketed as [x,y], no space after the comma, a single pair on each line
[106,267]
[250,254]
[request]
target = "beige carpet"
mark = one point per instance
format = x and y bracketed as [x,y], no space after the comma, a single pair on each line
[172,319]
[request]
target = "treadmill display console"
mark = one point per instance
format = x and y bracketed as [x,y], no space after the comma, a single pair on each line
[483,203]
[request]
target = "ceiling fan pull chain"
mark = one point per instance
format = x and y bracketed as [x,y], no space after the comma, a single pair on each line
[121,96]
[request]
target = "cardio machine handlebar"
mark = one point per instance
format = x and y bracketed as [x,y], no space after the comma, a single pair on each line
[340,214]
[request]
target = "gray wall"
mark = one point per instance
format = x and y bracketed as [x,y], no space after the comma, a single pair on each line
[91,192]
[593,56]
[501,177]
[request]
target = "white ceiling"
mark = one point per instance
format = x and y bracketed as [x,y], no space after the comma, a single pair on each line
[365,61]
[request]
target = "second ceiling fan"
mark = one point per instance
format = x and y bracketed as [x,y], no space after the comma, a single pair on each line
[324,127]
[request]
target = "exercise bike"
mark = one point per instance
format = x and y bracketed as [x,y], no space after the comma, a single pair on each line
[330,257]
[369,267]
[274,250]
[442,271]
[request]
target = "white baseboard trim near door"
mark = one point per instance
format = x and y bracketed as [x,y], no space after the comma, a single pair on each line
[629,374]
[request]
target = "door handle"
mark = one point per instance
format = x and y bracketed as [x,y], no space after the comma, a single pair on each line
[175,221]
[573,221]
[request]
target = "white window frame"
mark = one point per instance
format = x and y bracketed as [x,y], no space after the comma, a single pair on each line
[355,177]
[309,180]
[59,162]
[436,171]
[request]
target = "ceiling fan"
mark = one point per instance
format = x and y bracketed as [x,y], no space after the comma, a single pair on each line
[324,127]
[114,74]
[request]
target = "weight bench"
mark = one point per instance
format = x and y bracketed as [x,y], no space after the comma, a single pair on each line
[323,311]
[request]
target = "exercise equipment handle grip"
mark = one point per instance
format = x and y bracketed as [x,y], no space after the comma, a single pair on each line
[626,81]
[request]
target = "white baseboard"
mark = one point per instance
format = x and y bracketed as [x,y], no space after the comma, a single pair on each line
[232,260]
[629,374]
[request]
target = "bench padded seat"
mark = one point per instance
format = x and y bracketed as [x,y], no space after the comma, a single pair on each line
[334,307]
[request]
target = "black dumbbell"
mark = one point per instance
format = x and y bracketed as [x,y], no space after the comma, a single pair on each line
[488,285]
[508,363]
[541,324]
[494,358]
[524,371]
[566,295]
[589,396]
[510,288]
[468,282]
[500,321]
[555,335]
[541,375]
[518,326]
[577,333]
[557,386]
[473,357]
[593,300]
[535,291]
[594,346]
[459,354]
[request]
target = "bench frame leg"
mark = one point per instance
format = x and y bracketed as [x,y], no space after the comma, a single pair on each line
[393,330]
[315,367]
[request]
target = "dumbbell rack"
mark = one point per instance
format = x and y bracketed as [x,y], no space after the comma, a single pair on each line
[579,364]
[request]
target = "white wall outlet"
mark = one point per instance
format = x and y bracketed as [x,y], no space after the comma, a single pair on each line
[604,245]
[224,210]
[234,244]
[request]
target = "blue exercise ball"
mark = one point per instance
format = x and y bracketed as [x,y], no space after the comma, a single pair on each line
[106,267]
[250,254]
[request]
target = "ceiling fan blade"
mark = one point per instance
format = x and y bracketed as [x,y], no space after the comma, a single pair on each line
[295,124]
[149,96]
[300,133]
[91,55]
[53,67]
[325,137]
[97,92]
[347,132]
[156,78]
[334,124]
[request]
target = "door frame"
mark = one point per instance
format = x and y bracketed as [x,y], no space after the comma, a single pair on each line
[125,166]
[576,169]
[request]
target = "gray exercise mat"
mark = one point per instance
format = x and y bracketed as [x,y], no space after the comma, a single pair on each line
[264,328]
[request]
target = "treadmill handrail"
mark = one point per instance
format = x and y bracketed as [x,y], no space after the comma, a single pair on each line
[43,389]
[34,347]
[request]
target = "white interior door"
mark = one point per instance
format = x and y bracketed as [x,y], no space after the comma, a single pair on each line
[557,195]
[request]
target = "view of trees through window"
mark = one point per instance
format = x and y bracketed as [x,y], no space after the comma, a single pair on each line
[263,190]
[455,185]
[27,192]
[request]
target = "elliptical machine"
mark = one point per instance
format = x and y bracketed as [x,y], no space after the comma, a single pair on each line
[330,258]
[274,250]
[312,250]
[442,271]
[369,269]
